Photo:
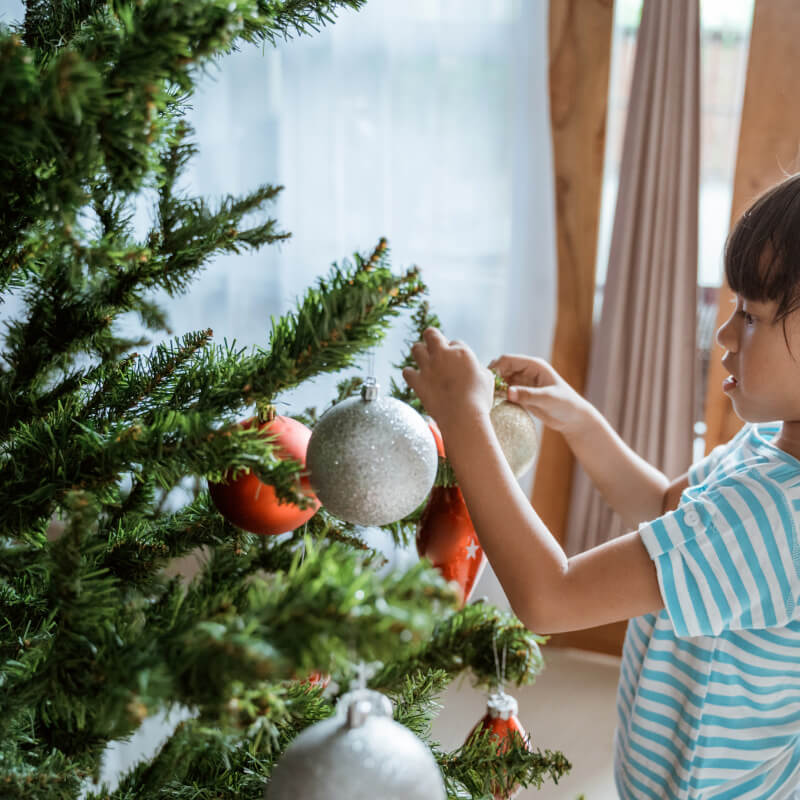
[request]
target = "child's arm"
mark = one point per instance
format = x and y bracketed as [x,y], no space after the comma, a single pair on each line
[636,490]
[547,591]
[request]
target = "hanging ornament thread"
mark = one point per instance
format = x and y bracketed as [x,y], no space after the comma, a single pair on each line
[501,720]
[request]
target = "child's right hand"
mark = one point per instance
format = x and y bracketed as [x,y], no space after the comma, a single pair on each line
[536,386]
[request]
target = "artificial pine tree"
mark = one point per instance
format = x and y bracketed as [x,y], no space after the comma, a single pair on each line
[95,433]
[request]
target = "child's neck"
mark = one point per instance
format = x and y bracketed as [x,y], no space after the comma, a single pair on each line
[788,438]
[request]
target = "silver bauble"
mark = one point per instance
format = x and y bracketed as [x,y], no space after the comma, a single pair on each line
[372,460]
[516,432]
[360,753]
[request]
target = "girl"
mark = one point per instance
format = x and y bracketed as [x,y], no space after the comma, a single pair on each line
[709,692]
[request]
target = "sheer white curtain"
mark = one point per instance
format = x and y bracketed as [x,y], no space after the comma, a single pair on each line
[411,120]
[423,121]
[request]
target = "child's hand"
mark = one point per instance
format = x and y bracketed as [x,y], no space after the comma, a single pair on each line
[535,385]
[449,380]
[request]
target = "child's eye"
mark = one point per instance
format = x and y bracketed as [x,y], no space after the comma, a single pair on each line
[749,319]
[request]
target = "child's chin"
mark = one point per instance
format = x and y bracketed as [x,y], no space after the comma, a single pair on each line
[745,414]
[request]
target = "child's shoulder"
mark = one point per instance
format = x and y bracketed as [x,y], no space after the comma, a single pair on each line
[749,456]
[751,446]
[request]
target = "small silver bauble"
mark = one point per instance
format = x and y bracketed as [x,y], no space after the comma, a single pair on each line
[360,753]
[372,460]
[516,432]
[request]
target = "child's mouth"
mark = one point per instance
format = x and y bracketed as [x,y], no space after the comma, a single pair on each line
[729,383]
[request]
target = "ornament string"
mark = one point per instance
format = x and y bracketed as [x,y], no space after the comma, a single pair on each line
[361,675]
[500,668]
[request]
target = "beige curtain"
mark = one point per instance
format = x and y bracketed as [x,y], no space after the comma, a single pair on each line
[642,364]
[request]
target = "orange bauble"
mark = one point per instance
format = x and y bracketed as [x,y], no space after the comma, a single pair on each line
[446,537]
[252,504]
[502,722]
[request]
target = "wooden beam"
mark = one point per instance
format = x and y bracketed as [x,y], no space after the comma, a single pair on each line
[769,143]
[580,56]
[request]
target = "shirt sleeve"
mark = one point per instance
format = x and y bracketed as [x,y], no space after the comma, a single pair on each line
[727,559]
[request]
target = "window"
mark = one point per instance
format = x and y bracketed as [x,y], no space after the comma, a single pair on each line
[724,39]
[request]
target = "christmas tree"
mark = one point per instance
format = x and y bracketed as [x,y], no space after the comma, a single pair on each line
[98,429]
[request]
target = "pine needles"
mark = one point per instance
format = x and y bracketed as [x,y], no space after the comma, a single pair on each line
[97,431]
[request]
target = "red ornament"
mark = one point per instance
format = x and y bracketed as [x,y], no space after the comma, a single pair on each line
[502,721]
[252,504]
[437,436]
[445,536]
[319,679]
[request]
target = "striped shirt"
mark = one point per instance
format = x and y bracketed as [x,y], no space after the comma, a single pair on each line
[708,701]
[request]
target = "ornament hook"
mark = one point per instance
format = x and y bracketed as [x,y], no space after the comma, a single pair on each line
[370,387]
[362,672]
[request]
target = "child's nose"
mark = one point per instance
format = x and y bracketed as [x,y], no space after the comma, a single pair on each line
[726,335]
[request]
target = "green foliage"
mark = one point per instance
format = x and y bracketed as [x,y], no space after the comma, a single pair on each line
[421,319]
[469,638]
[97,631]
[477,768]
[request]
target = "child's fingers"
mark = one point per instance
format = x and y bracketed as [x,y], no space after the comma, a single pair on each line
[420,352]
[526,370]
[508,365]
[411,377]
[515,376]
[434,339]
[533,399]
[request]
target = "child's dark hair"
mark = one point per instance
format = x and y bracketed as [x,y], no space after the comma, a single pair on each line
[762,254]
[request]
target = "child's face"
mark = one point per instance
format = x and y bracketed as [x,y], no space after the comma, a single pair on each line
[764,371]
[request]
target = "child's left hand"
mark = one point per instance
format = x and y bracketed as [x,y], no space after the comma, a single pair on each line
[449,380]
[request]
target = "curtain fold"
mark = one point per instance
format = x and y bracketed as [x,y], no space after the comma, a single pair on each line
[642,365]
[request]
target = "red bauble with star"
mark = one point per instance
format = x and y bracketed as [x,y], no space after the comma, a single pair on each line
[446,537]
[502,722]
[252,504]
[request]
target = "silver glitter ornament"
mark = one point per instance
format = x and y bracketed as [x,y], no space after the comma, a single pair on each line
[372,460]
[516,432]
[360,753]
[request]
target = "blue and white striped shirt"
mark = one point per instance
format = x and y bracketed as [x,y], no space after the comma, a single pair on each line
[709,694]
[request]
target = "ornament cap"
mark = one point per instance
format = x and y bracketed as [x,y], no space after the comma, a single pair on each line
[265,411]
[357,713]
[370,389]
[362,703]
[501,705]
